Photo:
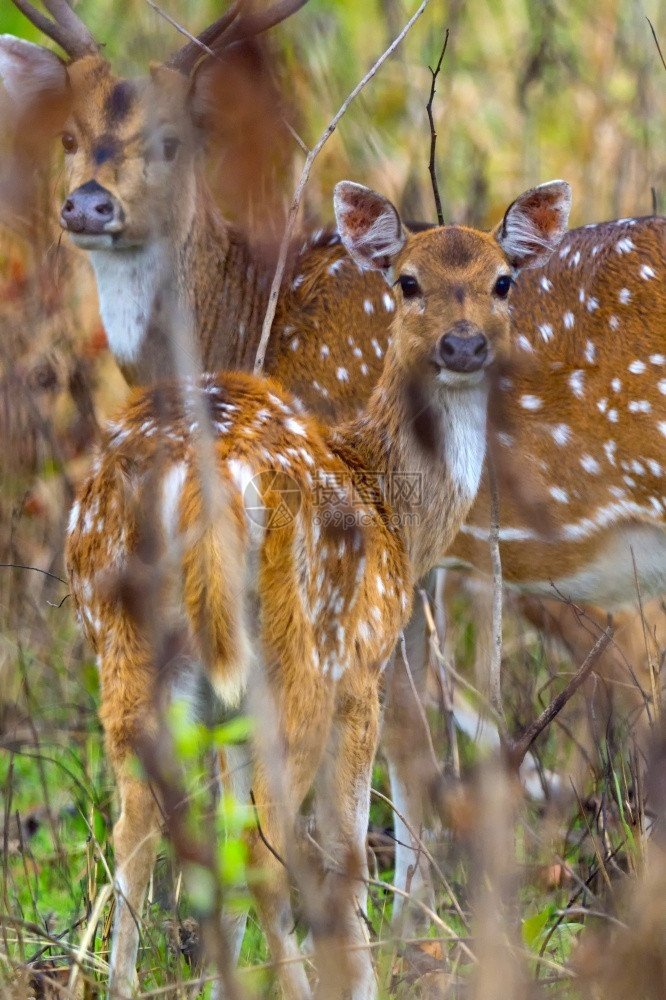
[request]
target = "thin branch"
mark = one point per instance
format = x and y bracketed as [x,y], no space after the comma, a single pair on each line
[419,706]
[262,835]
[433,134]
[518,748]
[35,569]
[426,853]
[174,24]
[656,42]
[300,187]
[495,677]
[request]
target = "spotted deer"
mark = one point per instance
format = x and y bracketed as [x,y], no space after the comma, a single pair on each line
[284,602]
[181,290]
[163,253]
[583,431]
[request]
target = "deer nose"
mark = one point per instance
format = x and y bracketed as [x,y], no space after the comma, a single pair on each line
[463,354]
[91,210]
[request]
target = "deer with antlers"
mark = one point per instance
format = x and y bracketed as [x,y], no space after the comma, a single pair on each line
[163,259]
[310,615]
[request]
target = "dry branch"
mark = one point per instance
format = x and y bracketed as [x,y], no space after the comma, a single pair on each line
[300,187]
[433,134]
[656,42]
[495,675]
[517,749]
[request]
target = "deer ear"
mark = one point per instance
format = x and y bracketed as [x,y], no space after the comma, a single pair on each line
[369,227]
[30,71]
[534,224]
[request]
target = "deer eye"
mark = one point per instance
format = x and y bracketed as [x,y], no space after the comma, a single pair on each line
[170,148]
[69,142]
[409,285]
[503,286]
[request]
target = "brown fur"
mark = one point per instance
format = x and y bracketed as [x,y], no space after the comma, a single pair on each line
[315,606]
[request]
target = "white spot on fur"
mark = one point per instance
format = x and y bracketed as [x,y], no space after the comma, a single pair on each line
[295,427]
[613,322]
[646,272]
[625,245]
[546,331]
[576,383]
[342,375]
[624,296]
[545,283]
[640,406]
[561,434]
[637,367]
[529,402]
[590,464]
[568,320]
[590,352]
[616,384]
[557,493]
[172,489]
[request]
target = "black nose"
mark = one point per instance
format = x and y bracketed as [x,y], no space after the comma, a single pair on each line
[90,209]
[463,354]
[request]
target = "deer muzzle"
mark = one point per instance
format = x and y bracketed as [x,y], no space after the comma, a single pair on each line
[91,210]
[463,349]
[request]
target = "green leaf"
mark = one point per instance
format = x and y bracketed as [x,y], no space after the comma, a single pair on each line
[533,927]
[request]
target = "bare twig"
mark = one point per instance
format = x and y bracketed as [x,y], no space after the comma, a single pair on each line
[300,187]
[650,659]
[35,569]
[517,749]
[495,677]
[433,134]
[174,24]
[419,706]
[656,42]
[422,847]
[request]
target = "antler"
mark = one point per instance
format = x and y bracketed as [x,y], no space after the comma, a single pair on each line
[66,28]
[231,28]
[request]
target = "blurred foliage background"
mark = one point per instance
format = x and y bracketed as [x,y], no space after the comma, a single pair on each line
[528,91]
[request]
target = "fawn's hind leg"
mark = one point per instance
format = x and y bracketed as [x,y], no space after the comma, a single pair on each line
[342,804]
[291,730]
[128,716]
[404,743]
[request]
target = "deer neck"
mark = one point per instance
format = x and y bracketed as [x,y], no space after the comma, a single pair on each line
[183,304]
[429,452]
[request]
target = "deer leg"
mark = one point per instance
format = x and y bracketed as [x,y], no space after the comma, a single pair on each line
[291,735]
[127,713]
[410,769]
[235,764]
[136,836]
[342,804]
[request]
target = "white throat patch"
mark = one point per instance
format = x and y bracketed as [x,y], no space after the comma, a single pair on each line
[127,284]
[465,436]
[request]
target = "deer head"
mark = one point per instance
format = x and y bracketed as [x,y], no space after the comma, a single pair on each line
[453,315]
[131,144]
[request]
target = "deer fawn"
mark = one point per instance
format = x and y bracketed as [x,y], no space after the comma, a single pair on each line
[159,244]
[312,615]
[585,416]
